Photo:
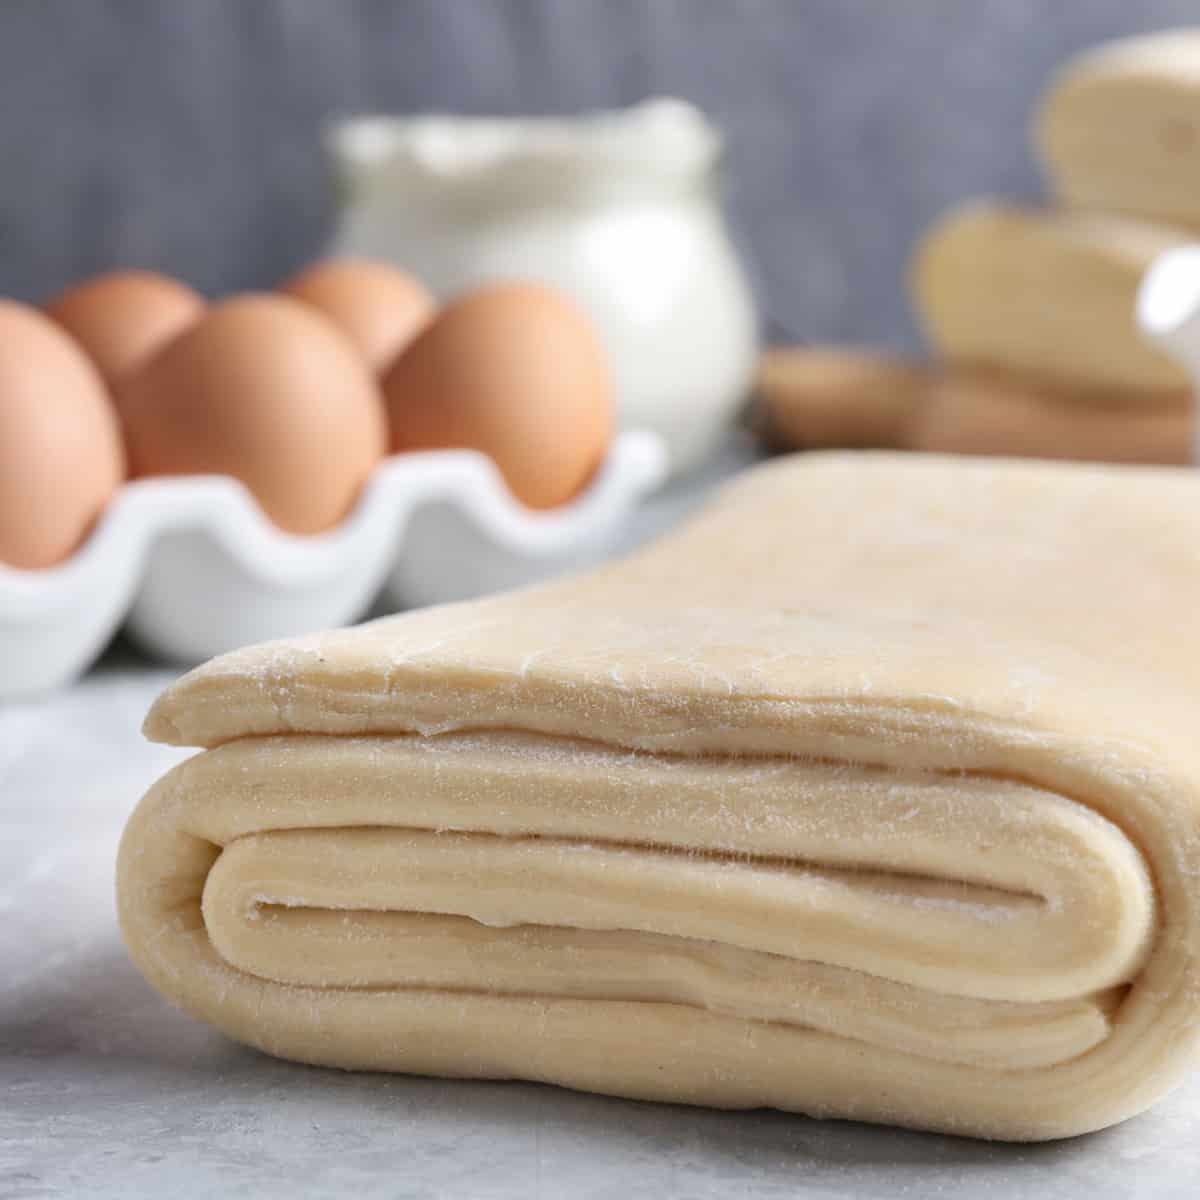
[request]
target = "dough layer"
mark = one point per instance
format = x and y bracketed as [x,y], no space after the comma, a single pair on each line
[871,794]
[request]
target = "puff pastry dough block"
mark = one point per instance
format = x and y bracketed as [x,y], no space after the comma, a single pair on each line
[1046,293]
[871,794]
[1118,129]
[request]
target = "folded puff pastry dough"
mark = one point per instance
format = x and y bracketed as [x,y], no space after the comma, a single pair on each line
[871,794]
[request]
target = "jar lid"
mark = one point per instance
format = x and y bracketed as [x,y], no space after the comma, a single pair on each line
[658,137]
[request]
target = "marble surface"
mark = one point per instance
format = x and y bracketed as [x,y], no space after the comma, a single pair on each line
[107,1092]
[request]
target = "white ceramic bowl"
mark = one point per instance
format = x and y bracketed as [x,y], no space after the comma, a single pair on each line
[193,568]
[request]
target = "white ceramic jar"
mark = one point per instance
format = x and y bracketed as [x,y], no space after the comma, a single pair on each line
[621,210]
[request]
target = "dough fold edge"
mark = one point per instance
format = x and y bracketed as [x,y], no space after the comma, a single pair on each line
[687,1055]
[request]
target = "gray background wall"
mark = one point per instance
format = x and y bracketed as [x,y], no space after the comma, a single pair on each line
[181,133]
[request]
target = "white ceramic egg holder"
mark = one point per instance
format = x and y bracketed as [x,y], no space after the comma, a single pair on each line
[192,567]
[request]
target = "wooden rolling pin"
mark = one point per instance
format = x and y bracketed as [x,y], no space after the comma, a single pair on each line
[1119,127]
[818,397]
[815,397]
[989,412]
[1046,293]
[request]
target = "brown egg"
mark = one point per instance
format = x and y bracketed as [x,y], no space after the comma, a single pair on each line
[263,389]
[60,449]
[121,319]
[378,307]
[516,371]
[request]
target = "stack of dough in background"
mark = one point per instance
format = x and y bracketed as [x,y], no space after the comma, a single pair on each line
[1030,311]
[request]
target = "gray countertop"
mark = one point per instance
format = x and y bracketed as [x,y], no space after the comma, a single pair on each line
[107,1092]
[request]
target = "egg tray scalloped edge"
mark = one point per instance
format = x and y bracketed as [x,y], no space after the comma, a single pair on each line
[192,567]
